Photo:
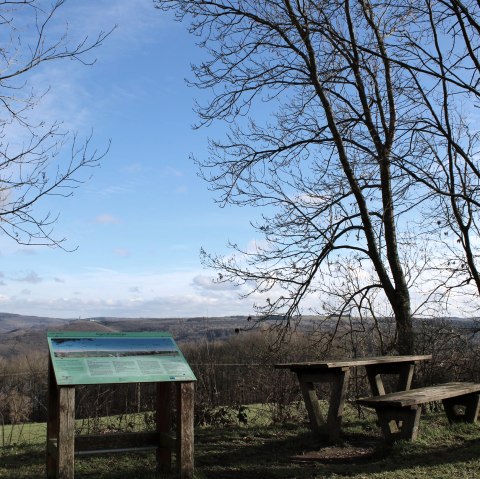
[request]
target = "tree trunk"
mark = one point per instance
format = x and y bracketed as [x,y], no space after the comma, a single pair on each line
[404,324]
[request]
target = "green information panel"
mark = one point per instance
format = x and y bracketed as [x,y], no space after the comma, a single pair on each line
[105,358]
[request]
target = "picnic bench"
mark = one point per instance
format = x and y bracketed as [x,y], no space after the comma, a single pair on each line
[399,412]
[337,373]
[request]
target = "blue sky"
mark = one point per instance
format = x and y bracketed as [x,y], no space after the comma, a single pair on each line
[142,218]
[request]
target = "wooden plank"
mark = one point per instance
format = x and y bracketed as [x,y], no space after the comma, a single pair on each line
[185,423]
[421,395]
[335,363]
[115,451]
[88,443]
[66,432]
[52,447]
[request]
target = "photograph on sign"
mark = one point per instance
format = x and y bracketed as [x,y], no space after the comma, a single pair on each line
[113,347]
[97,358]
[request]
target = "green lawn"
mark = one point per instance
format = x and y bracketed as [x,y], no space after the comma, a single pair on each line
[289,451]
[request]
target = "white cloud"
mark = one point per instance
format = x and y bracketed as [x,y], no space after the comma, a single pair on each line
[103,292]
[208,283]
[107,219]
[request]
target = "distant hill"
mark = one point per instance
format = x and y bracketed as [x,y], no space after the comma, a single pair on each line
[9,323]
[22,335]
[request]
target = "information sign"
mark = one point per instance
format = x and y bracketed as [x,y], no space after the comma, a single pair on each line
[106,358]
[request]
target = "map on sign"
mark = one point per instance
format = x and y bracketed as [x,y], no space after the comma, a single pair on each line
[101,358]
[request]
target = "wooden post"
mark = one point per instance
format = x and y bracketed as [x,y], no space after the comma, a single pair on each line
[52,423]
[164,422]
[185,423]
[66,432]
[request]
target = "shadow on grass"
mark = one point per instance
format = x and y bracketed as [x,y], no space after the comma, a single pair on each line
[280,453]
[22,462]
[278,456]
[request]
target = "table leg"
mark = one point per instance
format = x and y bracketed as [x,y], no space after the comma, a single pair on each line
[405,376]
[337,403]
[311,404]
[403,370]
[375,380]
[338,381]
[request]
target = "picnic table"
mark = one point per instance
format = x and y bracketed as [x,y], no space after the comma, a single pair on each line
[337,373]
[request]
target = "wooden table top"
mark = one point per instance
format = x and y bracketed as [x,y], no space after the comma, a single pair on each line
[345,363]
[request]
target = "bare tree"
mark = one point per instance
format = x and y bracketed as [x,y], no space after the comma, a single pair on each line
[327,164]
[444,66]
[37,158]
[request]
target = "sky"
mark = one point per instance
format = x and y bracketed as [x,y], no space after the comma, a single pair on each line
[138,224]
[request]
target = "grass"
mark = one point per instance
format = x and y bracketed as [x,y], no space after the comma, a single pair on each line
[260,450]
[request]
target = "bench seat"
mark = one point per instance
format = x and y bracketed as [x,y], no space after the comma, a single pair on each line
[399,412]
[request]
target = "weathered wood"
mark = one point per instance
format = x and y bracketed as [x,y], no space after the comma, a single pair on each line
[66,432]
[337,404]
[334,363]
[336,373]
[472,408]
[404,407]
[399,423]
[312,405]
[52,422]
[321,376]
[421,395]
[185,423]
[163,420]
[375,380]
[91,442]
[404,371]
[462,408]
[405,377]
[62,443]
[52,447]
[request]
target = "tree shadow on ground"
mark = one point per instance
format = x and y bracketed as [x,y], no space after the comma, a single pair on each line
[273,453]
[302,456]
